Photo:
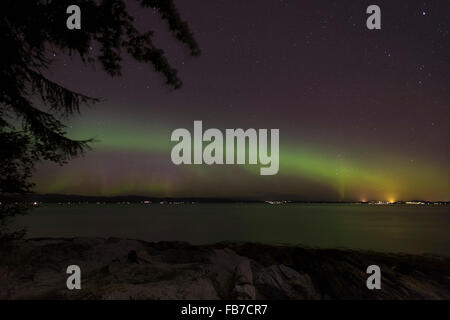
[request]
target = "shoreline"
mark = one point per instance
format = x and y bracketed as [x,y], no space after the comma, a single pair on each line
[115,268]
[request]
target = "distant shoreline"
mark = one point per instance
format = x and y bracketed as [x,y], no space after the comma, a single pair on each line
[63,198]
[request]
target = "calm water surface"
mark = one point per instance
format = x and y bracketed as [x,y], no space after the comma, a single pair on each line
[394,228]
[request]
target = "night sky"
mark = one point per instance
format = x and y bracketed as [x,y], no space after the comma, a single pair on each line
[363,114]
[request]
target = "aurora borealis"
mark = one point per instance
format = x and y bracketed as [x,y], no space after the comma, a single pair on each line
[362,114]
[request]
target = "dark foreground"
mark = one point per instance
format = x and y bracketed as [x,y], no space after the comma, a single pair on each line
[130,269]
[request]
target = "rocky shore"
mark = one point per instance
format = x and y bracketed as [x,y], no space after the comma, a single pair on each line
[130,269]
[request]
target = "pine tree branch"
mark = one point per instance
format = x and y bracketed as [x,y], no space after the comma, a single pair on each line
[179,28]
[48,133]
[59,99]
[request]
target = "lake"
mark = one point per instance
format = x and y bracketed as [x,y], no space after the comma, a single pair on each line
[387,228]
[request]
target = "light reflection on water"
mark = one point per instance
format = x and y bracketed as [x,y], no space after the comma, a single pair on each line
[394,228]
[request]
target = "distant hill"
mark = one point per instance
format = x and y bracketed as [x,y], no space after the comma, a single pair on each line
[55,198]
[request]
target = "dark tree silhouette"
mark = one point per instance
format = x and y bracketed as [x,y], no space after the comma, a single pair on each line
[17,156]
[29,133]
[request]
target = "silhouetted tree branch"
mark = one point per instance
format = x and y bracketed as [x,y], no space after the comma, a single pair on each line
[28,30]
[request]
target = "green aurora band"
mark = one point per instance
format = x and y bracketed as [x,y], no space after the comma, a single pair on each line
[347,178]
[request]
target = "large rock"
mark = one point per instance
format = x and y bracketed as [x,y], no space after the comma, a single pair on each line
[130,269]
[281,282]
[243,282]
